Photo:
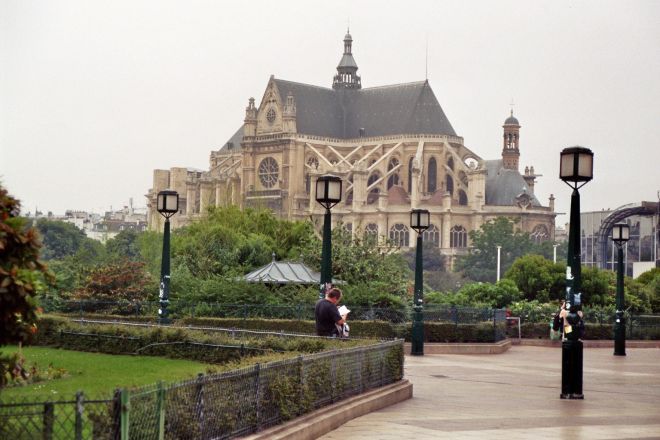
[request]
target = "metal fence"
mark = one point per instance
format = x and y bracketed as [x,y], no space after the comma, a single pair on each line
[220,406]
[643,326]
[60,419]
[182,309]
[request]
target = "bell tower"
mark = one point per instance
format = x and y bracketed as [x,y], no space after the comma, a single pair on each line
[510,151]
[347,77]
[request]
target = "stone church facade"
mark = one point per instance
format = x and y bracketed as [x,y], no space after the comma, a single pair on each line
[393,147]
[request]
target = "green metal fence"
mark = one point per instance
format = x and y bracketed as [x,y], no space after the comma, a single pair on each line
[219,406]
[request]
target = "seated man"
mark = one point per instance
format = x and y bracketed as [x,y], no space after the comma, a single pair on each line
[327,315]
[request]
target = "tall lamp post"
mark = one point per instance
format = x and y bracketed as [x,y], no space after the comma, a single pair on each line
[575,169]
[167,204]
[328,194]
[620,235]
[554,253]
[419,221]
[499,251]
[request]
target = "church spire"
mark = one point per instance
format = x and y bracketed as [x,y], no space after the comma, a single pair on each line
[346,76]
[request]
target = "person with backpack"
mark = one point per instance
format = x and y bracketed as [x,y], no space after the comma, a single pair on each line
[557,324]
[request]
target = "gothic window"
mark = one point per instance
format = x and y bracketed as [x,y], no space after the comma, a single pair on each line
[372,197]
[450,184]
[400,235]
[450,163]
[349,197]
[394,178]
[462,198]
[348,227]
[410,166]
[433,176]
[270,115]
[371,232]
[540,234]
[268,172]
[313,162]
[432,235]
[458,237]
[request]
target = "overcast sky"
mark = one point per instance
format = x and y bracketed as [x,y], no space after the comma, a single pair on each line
[94,95]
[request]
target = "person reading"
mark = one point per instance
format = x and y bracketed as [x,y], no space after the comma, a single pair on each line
[326,313]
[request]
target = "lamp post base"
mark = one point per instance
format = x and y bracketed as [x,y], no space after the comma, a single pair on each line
[417,345]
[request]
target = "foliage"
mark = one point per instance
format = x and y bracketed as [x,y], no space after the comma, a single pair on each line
[122,280]
[21,277]
[538,278]
[481,263]
[433,259]
[124,245]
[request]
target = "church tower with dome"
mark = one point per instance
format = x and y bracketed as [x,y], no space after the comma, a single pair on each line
[392,145]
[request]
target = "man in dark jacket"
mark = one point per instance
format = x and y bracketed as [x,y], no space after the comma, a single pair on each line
[327,315]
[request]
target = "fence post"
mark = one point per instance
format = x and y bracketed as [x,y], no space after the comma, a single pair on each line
[301,378]
[116,415]
[257,399]
[49,419]
[79,413]
[199,404]
[125,413]
[160,408]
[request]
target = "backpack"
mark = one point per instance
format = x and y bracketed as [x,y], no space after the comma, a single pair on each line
[556,325]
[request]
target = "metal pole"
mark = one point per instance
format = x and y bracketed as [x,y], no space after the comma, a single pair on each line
[554,253]
[620,320]
[326,253]
[571,346]
[164,294]
[499,249]
[417,348]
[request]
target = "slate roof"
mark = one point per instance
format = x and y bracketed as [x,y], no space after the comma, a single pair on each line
[504,185]
[410,108]
[285,272]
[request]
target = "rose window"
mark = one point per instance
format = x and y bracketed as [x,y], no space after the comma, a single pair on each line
[268,172]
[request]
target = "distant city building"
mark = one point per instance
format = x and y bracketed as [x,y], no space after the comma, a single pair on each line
[393,147]
[640,252]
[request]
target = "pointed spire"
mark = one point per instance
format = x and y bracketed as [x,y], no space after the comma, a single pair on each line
[347,69]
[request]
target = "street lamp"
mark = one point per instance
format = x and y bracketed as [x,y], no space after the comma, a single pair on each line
[167,204]
[554,253]
[328,194]
[620,235]
[575,169]
[419,221]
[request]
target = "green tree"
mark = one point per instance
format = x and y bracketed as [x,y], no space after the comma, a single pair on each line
[538,278]
[21,277]
[124,245]
[481,263]
[60,239]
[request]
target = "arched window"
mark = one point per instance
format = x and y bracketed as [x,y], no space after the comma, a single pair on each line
[348,227]
[450,185]
[432,184]
[450,163]
[372,197]
[458,237]
[349,198]
[400,235]
[462,198]
[394,178]
[371,233]
[540,234]
[313,164]
[410,166]
[432,235]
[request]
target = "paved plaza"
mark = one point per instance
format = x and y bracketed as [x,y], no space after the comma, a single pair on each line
[515,395]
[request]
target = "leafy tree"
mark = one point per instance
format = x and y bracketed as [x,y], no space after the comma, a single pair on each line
[121,280]
[124,245]
[21,277]
[59,239]
[481,263]
[538,278]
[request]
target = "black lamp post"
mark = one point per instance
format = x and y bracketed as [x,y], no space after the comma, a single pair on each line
[620,235]
[419,221]
[328,194]
[576,169]
[167,205]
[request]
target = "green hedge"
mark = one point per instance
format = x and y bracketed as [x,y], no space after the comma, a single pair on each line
[177,342]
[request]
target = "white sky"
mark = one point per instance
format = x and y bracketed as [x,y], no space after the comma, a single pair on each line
[94,95]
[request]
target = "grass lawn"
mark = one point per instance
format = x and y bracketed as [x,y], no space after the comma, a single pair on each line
[98,374]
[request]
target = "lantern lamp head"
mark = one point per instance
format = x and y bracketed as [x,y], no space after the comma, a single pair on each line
[420,220]
[620,233]
[576,165]
[167,203]
[328,190]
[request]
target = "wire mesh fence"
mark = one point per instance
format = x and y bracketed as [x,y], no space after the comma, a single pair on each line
[219,406]
[77,419]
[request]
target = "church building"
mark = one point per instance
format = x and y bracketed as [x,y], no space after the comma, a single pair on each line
[394,148]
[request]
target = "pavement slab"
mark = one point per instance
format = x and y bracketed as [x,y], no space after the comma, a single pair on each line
[515,395]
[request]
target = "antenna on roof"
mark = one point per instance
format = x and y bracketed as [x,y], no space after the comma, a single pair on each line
[512,104]
[426,67]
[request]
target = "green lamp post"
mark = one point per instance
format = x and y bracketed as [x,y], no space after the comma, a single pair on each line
[167,204]
[328,194]
[575,169]
[620,235]
[419,221]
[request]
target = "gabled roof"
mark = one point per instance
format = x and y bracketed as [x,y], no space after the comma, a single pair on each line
[284,272]
[410,108]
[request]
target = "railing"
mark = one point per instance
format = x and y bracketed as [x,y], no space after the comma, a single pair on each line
[224,405]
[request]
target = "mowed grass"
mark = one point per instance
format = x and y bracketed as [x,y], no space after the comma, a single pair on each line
[96,374]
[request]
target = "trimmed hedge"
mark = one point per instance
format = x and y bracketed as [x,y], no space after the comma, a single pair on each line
[171,342]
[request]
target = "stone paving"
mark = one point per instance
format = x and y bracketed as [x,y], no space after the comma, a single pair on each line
[515,395]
